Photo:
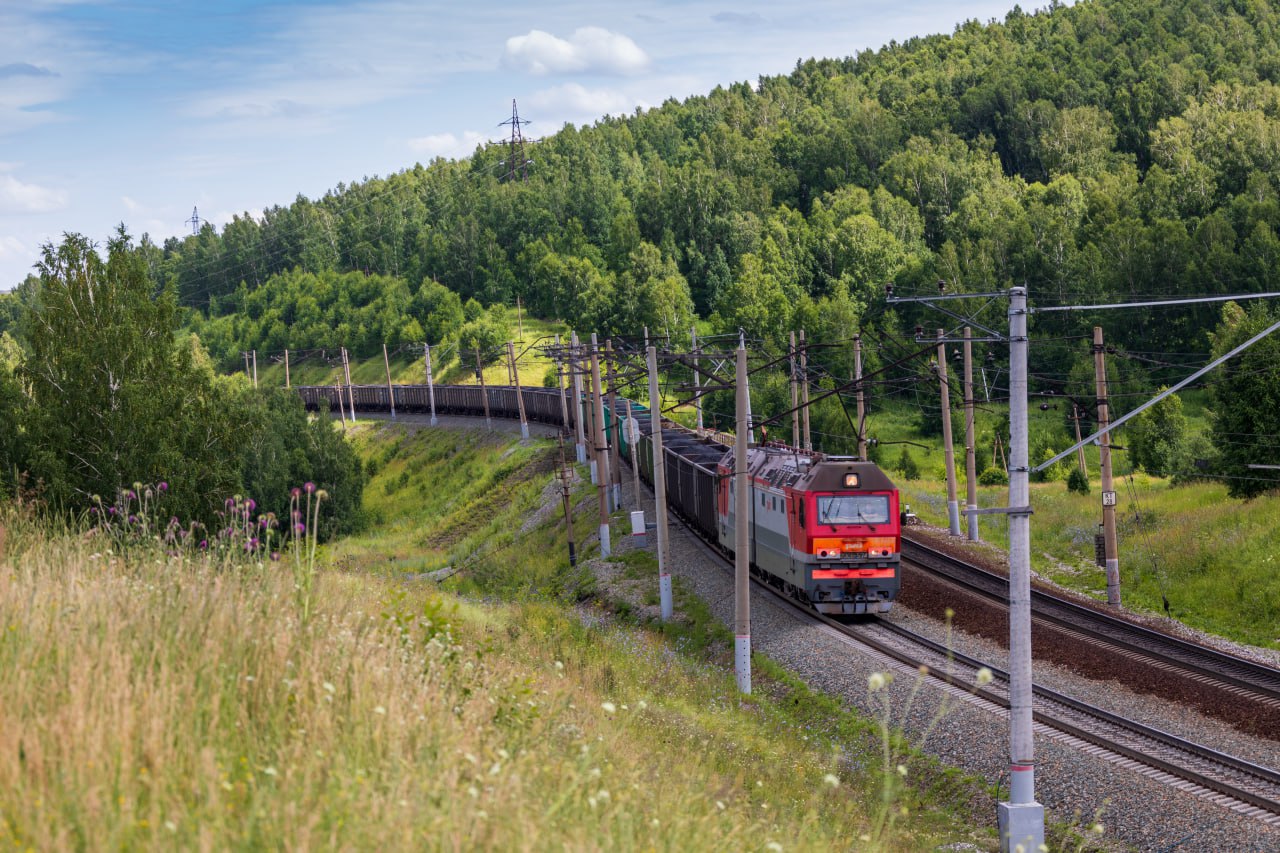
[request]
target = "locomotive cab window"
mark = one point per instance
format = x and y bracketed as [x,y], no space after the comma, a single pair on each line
[853,509]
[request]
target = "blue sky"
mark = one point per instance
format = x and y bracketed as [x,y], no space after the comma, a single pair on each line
[136,111]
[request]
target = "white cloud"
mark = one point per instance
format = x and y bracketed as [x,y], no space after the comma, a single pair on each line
[12,247]
[17,197]
[582,104]
[447,144]
[589,50]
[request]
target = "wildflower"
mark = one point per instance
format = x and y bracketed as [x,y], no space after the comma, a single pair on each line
[133,519]
[773,847]
[559,666]
[876,681]
[270,771]
[380,710]
[832,780]
[162,486]
[204,544]
[329,688]
[251,504]
[93,510]
[230,502]
[321,494]
[983,677]
[309,487]
[902,770]
[472,791]
[1097,829]
[296,492]
[609,707]
[299,528]
[719,805]
[275,556]
[111,510]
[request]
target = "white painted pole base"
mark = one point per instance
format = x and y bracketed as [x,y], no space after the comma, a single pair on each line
[581,452]
[953,516]
[435,421]
[742,662]
[616,491]
[1113,582]
[975,534]
[637,525]
[1021,820]
[594,480]
[664,595]
[605,549]
[524,431]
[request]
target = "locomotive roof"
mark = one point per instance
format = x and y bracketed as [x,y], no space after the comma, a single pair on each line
[787,467]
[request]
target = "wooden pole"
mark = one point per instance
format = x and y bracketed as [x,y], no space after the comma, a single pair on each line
[391,394]
[346,370]
[804,392]
[579,416]
[431,386]
[796,438]
[602,449]
[564,400]
[697,380]
[484,391]
[255,368]
[568,503]
[286,370]
[520,318]
[970,455]
[1109,544]
[615,434]
[524,422]
[948,446]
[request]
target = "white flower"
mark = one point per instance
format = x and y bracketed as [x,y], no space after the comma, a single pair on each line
[642,704]
[773,847]
[329,688]
[472,791]
[602,795]
[719,805]
[559,665]
[876,681]
[379,710]
[270,771]
[832,780]
[902,770]
[495,769]
[609,707]
[983,677]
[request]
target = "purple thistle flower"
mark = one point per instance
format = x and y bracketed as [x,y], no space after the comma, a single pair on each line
[131,495]
[300,528]
[275,556]
[204,544]
[309,487]
[111,510]
[262,521]
[251,504]
[230,502]
[133,519]
[162,486]
[93,510]
[296,492]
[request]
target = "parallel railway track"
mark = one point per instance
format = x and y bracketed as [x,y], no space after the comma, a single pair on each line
[1251,681]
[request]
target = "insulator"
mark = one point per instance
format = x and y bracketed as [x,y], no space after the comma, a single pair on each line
[942,285]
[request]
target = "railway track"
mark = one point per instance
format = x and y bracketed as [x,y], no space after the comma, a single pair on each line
[1248,680]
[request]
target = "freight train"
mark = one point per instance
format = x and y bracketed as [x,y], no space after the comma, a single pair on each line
[823,529]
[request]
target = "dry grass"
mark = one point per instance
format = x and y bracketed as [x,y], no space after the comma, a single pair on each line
[152,703]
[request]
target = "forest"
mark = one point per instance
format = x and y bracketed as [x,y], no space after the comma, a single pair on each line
[1108,151]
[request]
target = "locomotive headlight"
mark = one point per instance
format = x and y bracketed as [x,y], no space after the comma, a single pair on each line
[851,481]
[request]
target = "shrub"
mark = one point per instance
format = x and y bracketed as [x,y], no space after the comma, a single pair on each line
[1078,481]
[993,476]
[907,466]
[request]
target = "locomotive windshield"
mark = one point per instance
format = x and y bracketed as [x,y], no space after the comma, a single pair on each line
[853,509]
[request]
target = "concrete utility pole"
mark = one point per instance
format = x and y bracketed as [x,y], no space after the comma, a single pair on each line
[948,446]
[484,391]
[697,380]
[1110,548]
[862,400]
[351,397]
[579,420]
[659,485]
[741,536]
[568,503]
[592,454]
[804,392]
[524,422]
[342,411]
[564,400]
[632,442]
[391,394]
[602,448]
[255,369]
[286,370]
[247,372]
[615,433]
[796,438]
[1021,819]
[970,454]
[431,386]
